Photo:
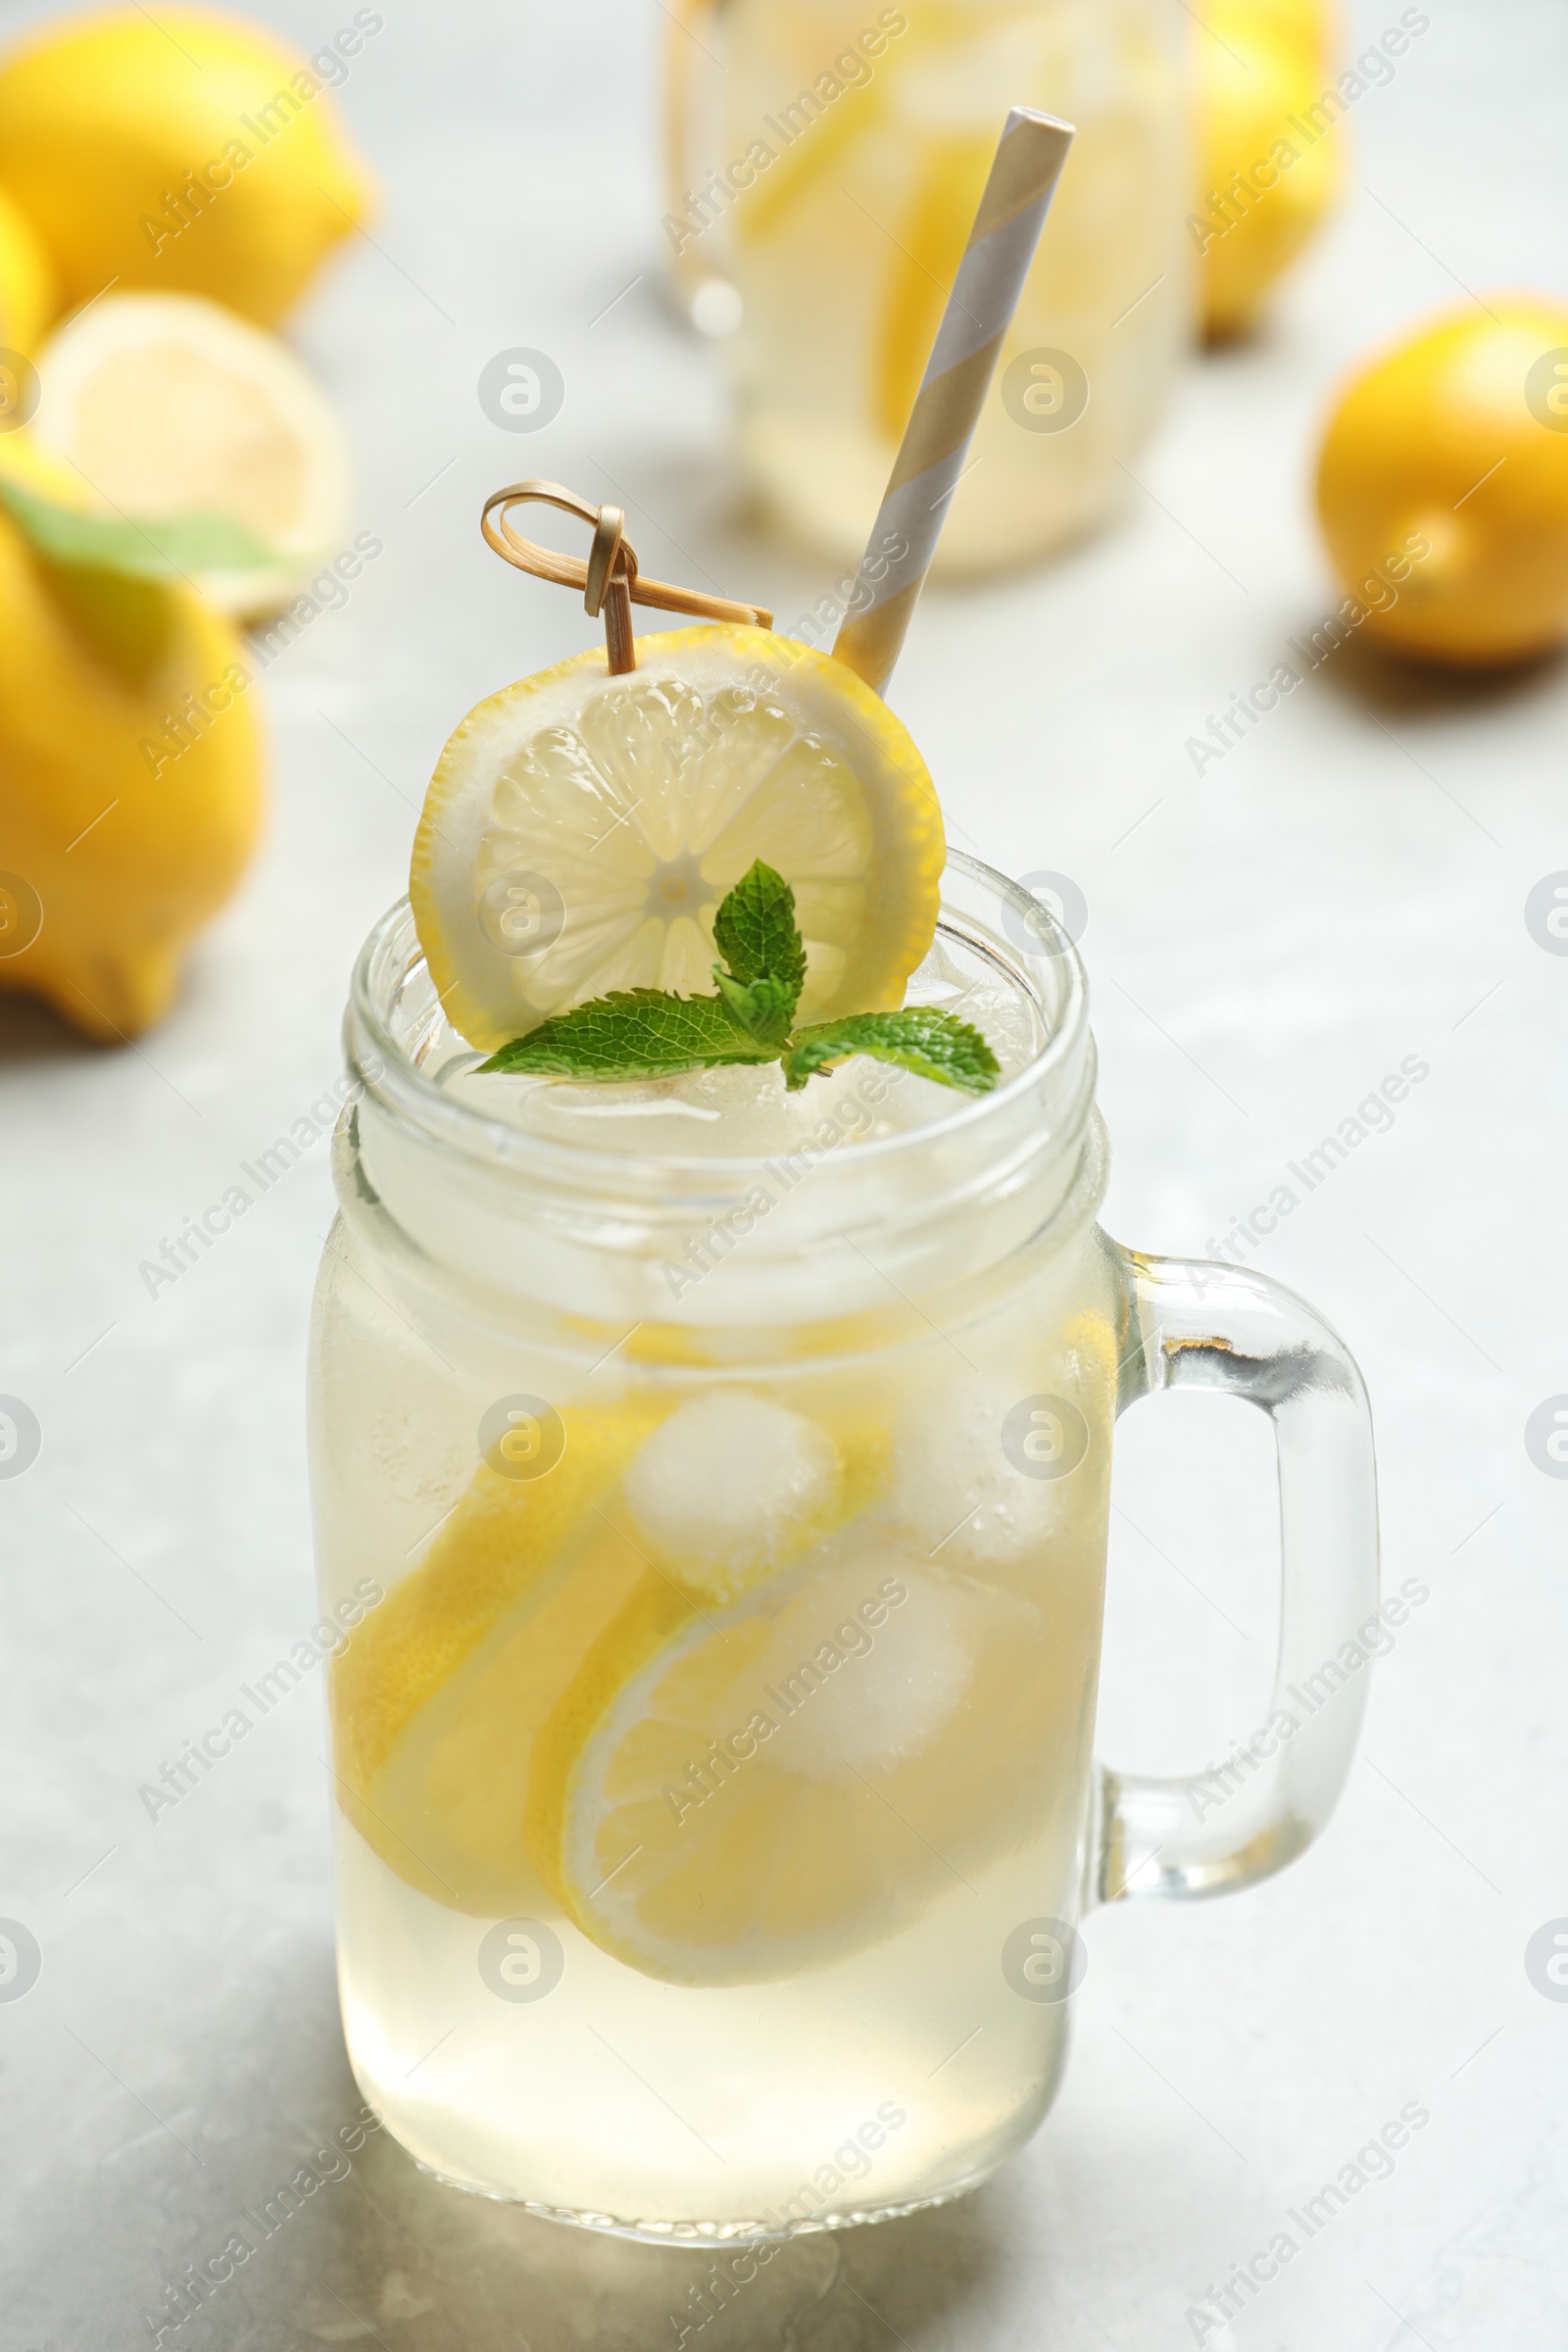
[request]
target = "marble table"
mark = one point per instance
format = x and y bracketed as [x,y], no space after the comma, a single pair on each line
[1267,942]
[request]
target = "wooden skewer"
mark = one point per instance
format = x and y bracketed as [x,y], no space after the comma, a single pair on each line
[608,578]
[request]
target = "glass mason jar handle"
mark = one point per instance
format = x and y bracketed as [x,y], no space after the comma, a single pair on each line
[1198,1325]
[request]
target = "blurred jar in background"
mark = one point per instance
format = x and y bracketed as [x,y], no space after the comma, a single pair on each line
[827,156]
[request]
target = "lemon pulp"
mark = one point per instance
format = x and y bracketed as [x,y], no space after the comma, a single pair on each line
[168,404]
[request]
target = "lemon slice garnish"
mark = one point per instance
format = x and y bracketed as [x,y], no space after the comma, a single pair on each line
[580,831]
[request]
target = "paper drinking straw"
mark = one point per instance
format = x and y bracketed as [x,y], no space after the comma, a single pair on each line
[947,408]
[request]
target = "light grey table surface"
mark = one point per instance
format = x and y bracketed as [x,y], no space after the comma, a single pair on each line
[1264,946]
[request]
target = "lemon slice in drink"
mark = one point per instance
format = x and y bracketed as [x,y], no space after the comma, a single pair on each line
[730,1797]
[445,1808]
[580,830]
[496,1548]
[439,1697]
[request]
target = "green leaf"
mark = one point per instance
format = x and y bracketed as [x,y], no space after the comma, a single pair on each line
[765,1007]
[931,1044]
[632,1033]
[168,548]
[756,932]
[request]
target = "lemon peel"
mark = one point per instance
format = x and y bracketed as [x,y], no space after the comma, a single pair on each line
[1256,73]
[1443,486]
[130,774]
[29,289]
[196,154]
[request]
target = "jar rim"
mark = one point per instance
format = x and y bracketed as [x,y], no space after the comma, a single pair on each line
[382,1065]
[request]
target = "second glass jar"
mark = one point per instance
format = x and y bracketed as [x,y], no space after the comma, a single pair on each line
[853,144]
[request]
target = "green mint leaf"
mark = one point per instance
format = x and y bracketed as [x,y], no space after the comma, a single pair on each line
[756,932]
[765,1007]
[931,1044]
[167,548]
[632,1033]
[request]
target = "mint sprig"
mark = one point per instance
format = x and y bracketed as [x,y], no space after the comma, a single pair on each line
[756,932]
[642,1033]
[633,1033]
[931,1044]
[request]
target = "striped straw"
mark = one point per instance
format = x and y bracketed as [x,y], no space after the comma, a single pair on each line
[947,408]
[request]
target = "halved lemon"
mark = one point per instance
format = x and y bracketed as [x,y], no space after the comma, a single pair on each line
[729,1798]
[169,406]
[580,830]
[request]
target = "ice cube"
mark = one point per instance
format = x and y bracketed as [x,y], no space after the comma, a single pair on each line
[956,1495]
[728,1488]
[849,1694]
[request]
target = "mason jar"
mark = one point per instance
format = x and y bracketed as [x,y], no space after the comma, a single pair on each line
[720,1538]
[826,158]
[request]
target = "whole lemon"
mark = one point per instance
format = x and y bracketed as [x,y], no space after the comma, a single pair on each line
[1458,438]
[194,155]
[130,780]
[29,292]
[1269,153]
[1312,25]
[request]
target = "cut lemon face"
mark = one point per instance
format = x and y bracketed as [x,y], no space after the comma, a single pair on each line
[168,404]
[580,831]
[730,1798]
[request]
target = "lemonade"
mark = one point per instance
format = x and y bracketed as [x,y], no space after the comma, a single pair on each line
[706,1736]
[853,149]
[713,1367]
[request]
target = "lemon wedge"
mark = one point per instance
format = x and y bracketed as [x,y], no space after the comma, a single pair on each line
[580,831]
[730,1798]
[166,405]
